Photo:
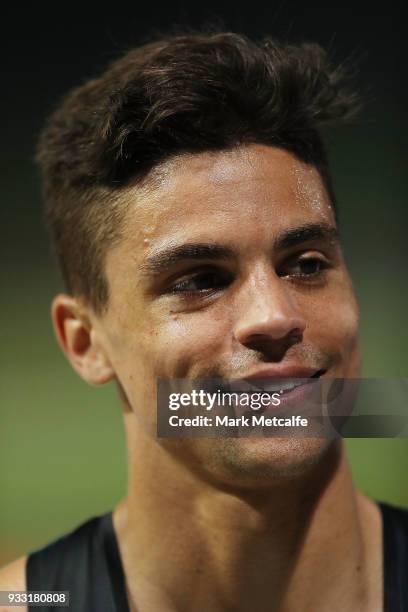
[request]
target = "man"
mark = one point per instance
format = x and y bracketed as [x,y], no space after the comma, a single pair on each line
[193,216]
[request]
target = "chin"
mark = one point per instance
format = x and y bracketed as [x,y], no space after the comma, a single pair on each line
[263,462]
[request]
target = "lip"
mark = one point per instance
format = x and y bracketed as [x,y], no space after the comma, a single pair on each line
[303,397]
[283,372]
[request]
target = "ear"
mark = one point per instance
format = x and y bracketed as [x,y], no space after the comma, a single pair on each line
[80,340]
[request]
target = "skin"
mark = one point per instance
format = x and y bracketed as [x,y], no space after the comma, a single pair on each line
[229,524]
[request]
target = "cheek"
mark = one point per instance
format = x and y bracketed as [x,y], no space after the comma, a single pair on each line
[146,345]
[183,346]
[336,330]
[189,345]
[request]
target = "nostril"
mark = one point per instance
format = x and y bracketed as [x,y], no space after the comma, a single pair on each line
[295,337]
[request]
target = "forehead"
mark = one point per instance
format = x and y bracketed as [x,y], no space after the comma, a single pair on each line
[248,191]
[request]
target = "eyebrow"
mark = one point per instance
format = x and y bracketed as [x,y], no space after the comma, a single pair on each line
[158,263]
[307,233]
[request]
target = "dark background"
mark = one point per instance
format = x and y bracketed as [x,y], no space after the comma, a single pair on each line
[61,446]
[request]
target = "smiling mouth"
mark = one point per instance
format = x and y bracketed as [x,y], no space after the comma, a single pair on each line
[297,395]
[278,385]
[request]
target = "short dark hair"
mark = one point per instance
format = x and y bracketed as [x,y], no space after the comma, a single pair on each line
[181,94]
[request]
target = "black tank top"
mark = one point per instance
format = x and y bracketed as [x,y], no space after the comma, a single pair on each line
[87,563]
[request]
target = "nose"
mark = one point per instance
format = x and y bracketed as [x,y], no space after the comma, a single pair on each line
[267,314]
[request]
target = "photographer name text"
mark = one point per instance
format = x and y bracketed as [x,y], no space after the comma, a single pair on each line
[253,420]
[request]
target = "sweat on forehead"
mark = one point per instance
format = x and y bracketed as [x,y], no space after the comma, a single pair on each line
[225,166]
[212,185]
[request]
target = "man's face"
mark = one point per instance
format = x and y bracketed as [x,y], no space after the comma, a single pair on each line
[229,265]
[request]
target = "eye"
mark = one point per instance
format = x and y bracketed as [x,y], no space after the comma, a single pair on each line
[205,282]
[305,267]
[308,266]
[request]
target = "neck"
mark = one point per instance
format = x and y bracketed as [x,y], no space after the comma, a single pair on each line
[308,543]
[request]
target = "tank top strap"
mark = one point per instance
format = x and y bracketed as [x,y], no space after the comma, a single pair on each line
[86,562]
[395,555]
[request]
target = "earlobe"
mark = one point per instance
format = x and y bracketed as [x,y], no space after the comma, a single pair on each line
[78,338]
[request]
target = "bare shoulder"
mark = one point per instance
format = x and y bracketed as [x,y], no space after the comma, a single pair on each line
[13,578]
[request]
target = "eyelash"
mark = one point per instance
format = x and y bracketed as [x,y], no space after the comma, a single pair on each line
[323,266]
[180,288]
